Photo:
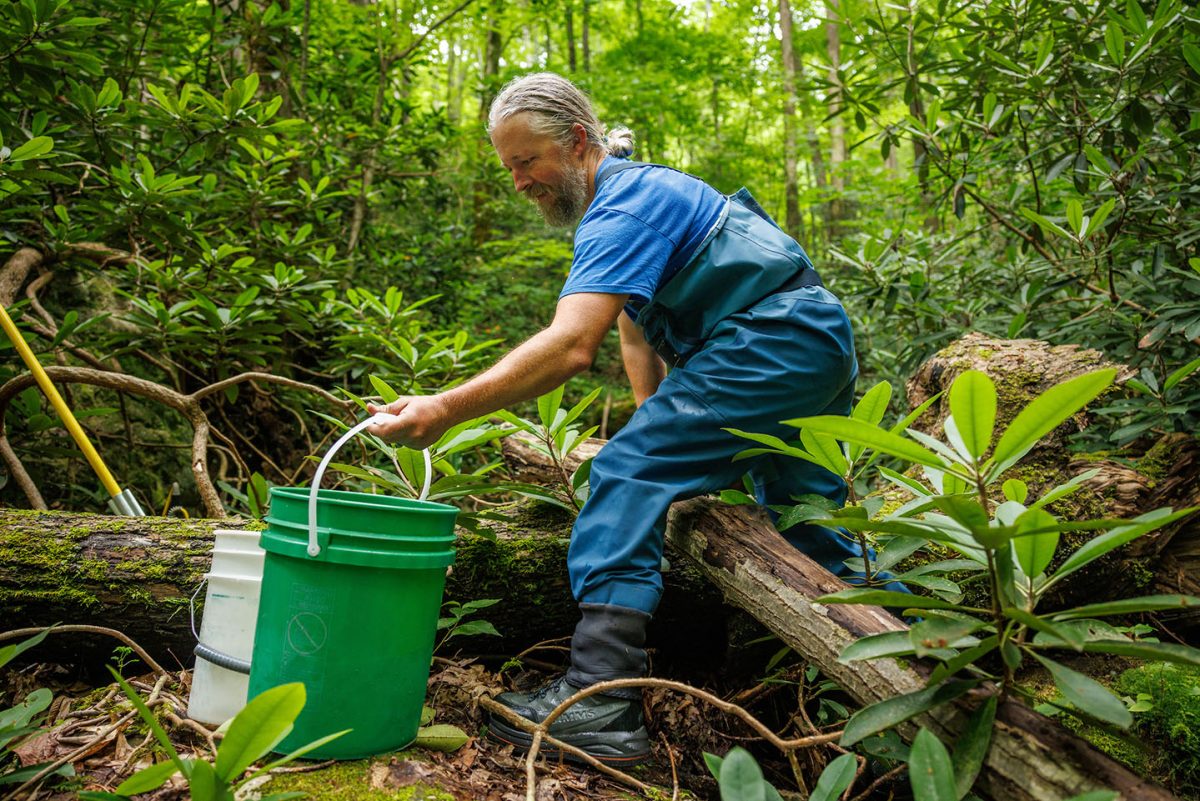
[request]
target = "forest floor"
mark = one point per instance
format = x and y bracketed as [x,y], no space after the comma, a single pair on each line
[97,731]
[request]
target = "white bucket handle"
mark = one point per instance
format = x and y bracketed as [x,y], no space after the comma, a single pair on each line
[314,548]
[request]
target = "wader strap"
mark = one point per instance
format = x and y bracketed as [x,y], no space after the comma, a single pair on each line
[806,277]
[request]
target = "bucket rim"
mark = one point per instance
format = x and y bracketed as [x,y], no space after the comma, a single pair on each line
[335,497]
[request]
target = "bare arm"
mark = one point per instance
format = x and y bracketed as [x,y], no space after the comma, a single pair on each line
[541,363]
[642,365]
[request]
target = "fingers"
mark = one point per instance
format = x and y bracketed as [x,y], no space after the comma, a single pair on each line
[395,407]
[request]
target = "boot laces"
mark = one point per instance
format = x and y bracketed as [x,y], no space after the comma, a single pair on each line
[548,688]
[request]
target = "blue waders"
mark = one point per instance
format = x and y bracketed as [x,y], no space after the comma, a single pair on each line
[791,355]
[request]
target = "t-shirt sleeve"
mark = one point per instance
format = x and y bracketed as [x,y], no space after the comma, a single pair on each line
[617,253]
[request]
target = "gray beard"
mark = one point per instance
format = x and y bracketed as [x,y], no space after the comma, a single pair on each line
[568,200]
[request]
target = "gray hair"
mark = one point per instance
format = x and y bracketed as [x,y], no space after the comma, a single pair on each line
[555,105]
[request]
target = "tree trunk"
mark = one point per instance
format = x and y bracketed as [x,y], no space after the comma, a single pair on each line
[570,22]
[791,188]
[585,36]
[491,67]
[837,128]
[917,109]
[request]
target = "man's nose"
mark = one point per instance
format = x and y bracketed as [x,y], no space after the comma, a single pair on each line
[521,181]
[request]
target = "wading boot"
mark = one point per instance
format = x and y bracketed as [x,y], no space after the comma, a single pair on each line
[607,645]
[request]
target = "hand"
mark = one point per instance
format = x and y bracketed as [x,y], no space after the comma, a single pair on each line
[418,422]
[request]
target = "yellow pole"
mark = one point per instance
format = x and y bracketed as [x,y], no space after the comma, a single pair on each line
[59,404]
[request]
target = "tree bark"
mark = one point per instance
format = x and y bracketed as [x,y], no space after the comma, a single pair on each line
[791,188]
[570,23]
[585,35]
[837,128]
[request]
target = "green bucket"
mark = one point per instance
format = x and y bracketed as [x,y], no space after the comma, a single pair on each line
[356,622]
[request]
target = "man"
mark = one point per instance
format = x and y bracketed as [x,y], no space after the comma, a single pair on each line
[699,283]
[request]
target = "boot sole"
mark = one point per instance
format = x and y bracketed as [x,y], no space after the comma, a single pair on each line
[501,732]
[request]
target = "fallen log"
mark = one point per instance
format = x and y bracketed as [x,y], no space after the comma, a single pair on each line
[1031,758]
[138,575]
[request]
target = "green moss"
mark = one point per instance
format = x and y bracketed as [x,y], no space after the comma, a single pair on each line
[1172,726]
[1156,463]
[351,781]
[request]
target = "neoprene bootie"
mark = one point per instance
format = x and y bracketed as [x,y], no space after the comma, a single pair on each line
[607,645]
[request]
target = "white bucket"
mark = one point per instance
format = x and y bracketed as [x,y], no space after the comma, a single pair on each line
[227,632]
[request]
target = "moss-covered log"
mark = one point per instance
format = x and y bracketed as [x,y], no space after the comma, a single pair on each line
[138,574]
[135,574]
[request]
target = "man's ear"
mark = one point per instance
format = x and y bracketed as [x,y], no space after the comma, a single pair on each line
[581,140]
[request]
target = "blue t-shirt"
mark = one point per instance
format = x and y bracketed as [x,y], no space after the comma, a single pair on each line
[641,228]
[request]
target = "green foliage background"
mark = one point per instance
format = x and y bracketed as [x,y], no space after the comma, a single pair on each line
[279,184]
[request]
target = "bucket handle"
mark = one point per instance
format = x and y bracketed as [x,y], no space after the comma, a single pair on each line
[314,547]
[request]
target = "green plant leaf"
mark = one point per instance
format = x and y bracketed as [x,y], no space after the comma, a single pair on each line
[825,451]
[441,737]
[1129,606]
[964,510]
[474,627]
[866,595]
[1151,651]
[1183,372]
[1099,216]
[1064,489]
[856,431]
[1075,215]
[580,408]
[875,646]
[1096,795]
[1016,490]
[1191,53]
[1044,413]
[1045,224]
[1087,694]
[835,778]
[548,405]
[383,388]
[148,779]
[1066,634]
[204,783]
[872,407]
[973,405]
[258,728]
[889,712]
[1035,551]
[901,480]
[10,652]
[19,716]
[36,147]
[930,770]
[774,445]
[1114,41]
[741,778]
